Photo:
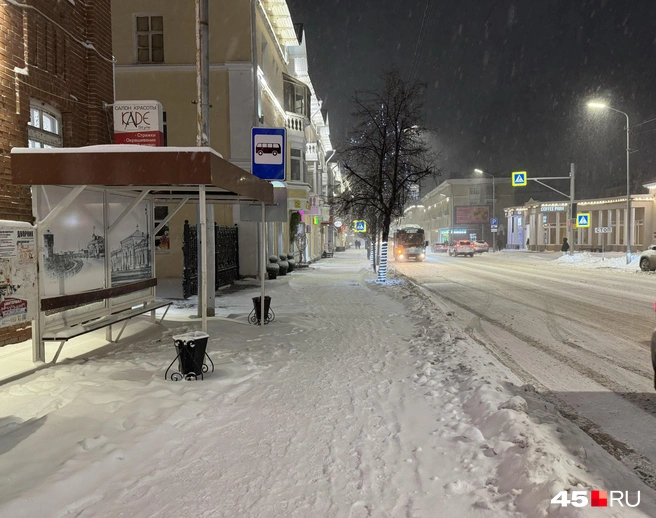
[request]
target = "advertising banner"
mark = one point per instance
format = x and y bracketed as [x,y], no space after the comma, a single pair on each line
[18,273]
[473,215]
[139,123]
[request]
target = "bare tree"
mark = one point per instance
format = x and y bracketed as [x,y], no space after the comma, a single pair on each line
[385,155]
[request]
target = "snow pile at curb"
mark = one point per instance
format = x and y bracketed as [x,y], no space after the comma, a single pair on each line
[511,431]
[587,260]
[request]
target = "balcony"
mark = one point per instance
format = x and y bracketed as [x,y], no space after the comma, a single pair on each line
[311,152]
[296,123]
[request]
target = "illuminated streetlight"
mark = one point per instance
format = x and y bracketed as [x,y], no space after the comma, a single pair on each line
[604,106]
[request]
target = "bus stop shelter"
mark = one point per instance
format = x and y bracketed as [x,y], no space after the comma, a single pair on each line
[122,179]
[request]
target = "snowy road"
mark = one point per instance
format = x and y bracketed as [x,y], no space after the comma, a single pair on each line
[581,334]
[359,400]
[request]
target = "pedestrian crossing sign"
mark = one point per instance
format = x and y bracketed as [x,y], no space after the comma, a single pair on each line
[519,179]
[360,226]
[583,220]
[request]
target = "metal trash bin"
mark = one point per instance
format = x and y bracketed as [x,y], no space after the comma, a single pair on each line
[254,317]
[192,351]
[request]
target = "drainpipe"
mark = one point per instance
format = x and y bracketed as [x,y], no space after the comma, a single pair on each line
[256,86]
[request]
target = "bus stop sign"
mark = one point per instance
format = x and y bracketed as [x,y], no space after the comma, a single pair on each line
[268,153]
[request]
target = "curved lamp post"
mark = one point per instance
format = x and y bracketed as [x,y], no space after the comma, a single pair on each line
[604,106]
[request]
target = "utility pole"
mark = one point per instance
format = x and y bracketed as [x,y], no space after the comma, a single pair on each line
[205,213]
[572,205]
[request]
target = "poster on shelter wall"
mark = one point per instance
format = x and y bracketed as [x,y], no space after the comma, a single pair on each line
[74,242]
[130,243]
[18,297]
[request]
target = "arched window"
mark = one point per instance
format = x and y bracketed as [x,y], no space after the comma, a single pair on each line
[45,126]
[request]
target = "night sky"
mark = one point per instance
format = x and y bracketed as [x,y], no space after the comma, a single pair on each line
[507,81]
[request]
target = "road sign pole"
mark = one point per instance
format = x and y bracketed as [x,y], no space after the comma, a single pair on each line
[572,171]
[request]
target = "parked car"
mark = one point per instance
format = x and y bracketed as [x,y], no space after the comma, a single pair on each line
[648,259]
[462,248]
[481,246]
[440,247]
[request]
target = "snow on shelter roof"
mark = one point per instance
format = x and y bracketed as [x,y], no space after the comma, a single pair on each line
[124,165]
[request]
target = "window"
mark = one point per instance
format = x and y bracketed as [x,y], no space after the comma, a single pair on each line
[296,165]
[297,96]
[162,243]
[150,39]
[44,130]
[165,130]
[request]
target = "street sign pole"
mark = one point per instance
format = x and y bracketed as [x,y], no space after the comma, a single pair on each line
[572,170]
[520,179]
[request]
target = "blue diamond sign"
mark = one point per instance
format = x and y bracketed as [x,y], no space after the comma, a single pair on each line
[519,179]
[268,150]
[583,220]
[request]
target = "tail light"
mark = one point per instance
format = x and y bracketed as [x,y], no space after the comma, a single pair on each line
[458,245]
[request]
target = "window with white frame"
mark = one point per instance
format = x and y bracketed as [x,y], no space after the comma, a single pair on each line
[44,130]
[150,38]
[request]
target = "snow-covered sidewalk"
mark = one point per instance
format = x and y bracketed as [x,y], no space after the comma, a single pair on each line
[359,400]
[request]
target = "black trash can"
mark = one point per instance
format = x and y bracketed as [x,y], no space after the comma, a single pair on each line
[257,303]
[191,348]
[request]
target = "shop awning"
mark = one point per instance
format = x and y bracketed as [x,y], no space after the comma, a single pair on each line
[168,172]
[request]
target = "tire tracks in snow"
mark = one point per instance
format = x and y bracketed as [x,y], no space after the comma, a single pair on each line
[641,465]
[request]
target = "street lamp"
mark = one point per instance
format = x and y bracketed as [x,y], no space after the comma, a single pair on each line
[604,106]
[494,199]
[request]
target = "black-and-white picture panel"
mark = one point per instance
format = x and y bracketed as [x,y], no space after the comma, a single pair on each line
[130,243]
[73,244]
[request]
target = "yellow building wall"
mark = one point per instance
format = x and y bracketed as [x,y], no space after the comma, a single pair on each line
[230,30]
[176,90]
[271,62]
[169,265]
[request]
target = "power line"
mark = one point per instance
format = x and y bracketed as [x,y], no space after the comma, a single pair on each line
[416,59]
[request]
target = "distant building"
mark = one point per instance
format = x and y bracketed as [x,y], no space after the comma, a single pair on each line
[96,247]
[131,262]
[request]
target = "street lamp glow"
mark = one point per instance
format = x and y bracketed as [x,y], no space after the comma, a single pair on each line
[478,171]
[628,222]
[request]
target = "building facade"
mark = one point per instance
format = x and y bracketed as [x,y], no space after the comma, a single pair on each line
[542,226]
[258,77]
[462,209]
[57,88]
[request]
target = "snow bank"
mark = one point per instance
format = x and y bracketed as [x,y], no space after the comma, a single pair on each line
[588,260]
[535,452]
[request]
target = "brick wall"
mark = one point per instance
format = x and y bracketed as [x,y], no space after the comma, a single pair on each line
[62,73]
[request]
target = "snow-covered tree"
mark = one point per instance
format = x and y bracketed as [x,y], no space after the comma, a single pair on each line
[385,155]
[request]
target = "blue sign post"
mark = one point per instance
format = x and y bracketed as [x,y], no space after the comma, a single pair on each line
[494,222]
[268,153]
